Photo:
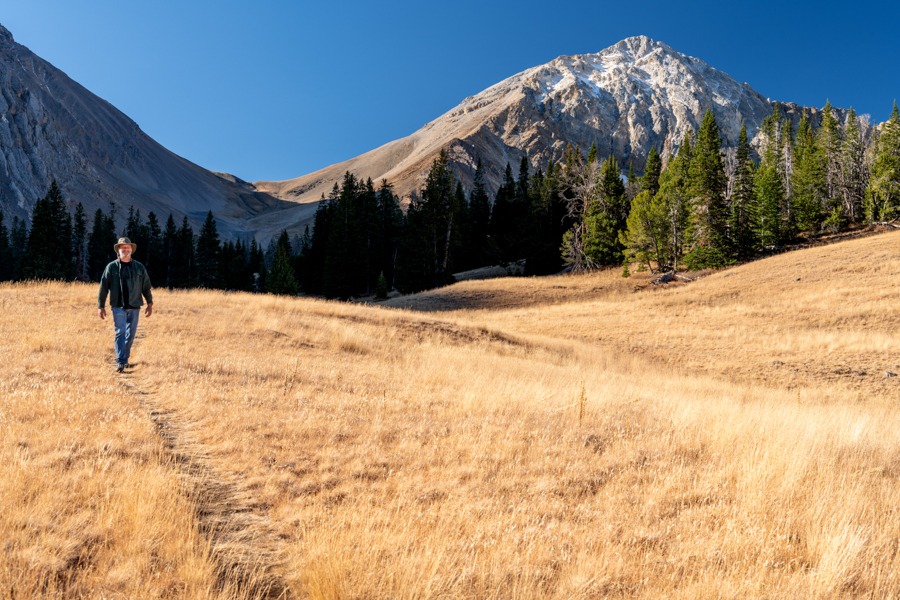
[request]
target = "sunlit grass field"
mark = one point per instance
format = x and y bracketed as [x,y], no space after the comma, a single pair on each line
[564,437]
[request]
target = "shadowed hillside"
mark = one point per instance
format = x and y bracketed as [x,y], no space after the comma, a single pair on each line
[53,129]
[565,437]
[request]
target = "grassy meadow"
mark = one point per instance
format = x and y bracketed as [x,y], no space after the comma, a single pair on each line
[584,436]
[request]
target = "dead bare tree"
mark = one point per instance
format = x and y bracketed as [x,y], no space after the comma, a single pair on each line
[582,182]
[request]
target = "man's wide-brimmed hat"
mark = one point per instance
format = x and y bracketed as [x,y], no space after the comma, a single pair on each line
[124,241]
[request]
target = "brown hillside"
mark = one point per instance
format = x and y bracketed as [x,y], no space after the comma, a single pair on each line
[826,315]
[568,437]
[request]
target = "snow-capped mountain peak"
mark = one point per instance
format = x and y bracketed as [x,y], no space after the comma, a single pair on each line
[625,99]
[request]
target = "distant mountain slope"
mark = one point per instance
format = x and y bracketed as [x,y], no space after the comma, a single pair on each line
[636,94]
[53,128]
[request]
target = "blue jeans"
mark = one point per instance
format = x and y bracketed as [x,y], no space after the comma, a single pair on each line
[125,321]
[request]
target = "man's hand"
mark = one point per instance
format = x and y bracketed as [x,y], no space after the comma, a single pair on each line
[101,312]
[149,310]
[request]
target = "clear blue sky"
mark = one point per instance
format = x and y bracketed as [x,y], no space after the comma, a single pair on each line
[275,89]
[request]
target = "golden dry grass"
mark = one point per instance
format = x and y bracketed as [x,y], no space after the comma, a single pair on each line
[567,437]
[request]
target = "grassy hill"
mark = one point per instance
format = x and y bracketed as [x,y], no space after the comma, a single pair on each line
[562,437]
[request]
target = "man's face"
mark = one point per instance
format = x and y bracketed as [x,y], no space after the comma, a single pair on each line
[124,252]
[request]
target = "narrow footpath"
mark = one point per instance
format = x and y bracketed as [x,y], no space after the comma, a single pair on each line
[245,548]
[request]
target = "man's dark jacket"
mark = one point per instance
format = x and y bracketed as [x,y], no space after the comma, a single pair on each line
[138,284]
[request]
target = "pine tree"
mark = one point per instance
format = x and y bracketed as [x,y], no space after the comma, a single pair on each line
[233,265]
[208,248]
[79,244]
[228,252]
[353,253]
[381,288]
[18,238]
[479,220]
[281,279]
[6,272]
[707,188]
[460,246]
[606,217]
[65,262]
[743,200]
[244,279]
[256,267]
[652,171]
[363,237]
[343,268]
[522,185]
[415,261]
[431,231]
[593,155]
[40,254]
[829,142]
[100,243]
[770,195]
[183,266]
[337,257]
[503,218]
[51,229]
[370,238]
[548,214]
[283,242]
[166,260]
[674,196]
[390,226]
[882,201]
[316,258]
[151,253]
[136,231]
[520,230]
[300,260]
[769,223]
[646,236]
[535,228]
[808,178]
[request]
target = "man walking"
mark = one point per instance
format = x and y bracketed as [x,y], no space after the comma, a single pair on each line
[126,281]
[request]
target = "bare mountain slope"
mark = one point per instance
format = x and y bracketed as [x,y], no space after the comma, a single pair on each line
[636,94]
[53,128]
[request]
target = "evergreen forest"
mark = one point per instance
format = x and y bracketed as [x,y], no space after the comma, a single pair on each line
[704,207]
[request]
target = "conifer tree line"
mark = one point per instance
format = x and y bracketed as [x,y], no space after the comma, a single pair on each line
[64,245]
[708,207]
[363,244]
[712,207]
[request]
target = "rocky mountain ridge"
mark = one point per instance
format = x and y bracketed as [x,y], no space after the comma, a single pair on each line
[635,94]
[53,128]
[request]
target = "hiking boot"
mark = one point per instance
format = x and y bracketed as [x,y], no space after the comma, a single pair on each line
[120,368]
